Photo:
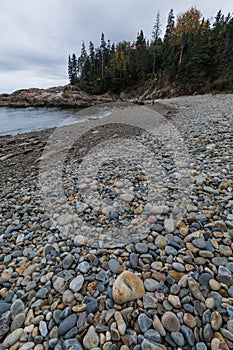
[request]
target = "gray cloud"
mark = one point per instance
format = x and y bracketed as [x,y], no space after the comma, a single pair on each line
[37,36]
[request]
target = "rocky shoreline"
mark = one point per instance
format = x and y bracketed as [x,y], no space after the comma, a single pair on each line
[61,97]
[172,288]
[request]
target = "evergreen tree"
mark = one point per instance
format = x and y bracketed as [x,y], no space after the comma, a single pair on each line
[92,61]
[170,24]
[82,63]
[72,69]
[103,54]
[156,32]
[193,56]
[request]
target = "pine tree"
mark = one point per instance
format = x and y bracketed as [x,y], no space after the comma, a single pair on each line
[170,24]
[103,54]
[72,69]
[156,32]
[92,60]
[82,62]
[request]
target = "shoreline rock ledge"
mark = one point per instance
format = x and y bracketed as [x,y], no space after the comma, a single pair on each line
[67,96]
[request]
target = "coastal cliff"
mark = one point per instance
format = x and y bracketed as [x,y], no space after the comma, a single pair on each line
[62,97]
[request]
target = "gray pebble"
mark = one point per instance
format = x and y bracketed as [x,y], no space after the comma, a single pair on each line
[141,248]
[151,285]
[201,346]
[144,322]
[72,344]
[188,334]
[84,267]
[113,265]
[67,324]
[178,338]
[133,260]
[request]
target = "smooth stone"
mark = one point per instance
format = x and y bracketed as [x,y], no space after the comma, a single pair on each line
[72,344]
[201,346]
[101,276]
[160,241]
[170,250]
[91,304]
[215,285]
[153,336]
[194,288]
[225,250]
[121,325]
[144,322]
[43,328]
[188,334]
[225,276]
[207,333]
[188,307]
[169,225]
[216,320]
[226,334]
[178,267]
[141,248]
[219,261]
[4,307]
[65,313]
[59,284]
[147,345]
[230,325]
[157,265]
[81,320]
[215,344]
[80,240]
[149,301]
[157,228]
[204,279]
[199,243]
[178,338]
[91,339]
[27,346]
[84,267]
[67,261]
[42,293]
[210,303]
[217,298]
[133,260]
[170,322]
[77,283]
[156,209]
[158,326]
[167,306]
[151,285]
[18,321]
[127,287]
[174,301]
[12,338]
[71,333]
[68,298]
[190,320]
[4,329]
[17,307]
[230,291]
[67,324]
[113,265]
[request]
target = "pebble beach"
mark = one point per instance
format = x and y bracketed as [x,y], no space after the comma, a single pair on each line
[122,269]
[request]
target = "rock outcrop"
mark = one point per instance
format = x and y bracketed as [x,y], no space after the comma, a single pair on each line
[63,97]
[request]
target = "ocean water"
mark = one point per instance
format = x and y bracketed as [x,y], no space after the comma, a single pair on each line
[20,120]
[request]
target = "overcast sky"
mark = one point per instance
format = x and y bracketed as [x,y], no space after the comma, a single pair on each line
[38,35]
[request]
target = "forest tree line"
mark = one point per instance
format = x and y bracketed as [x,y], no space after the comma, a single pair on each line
[193,54]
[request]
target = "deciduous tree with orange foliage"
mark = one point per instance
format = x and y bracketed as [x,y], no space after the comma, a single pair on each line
[187,23]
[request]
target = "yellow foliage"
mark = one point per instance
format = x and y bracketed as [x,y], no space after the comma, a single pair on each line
[187,22]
